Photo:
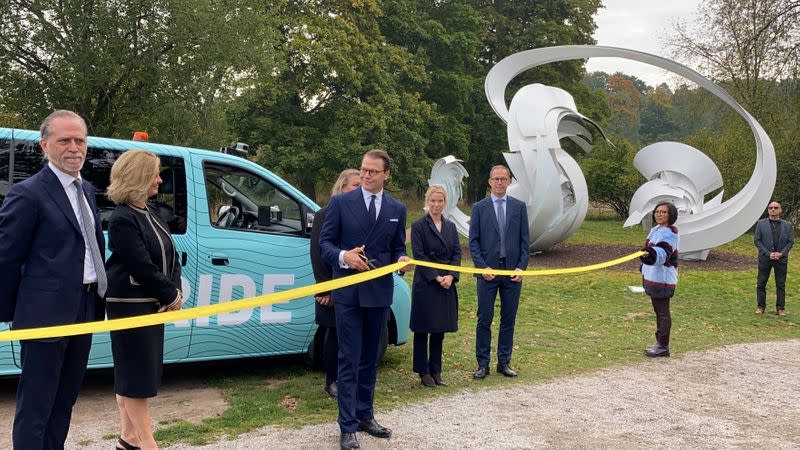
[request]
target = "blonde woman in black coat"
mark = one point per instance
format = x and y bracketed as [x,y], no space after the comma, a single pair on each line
[143,278]
[324,315]
[434,307]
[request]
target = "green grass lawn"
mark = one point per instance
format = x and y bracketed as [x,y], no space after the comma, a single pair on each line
[565,325]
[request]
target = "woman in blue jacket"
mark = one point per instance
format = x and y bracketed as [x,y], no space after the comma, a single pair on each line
[660,272]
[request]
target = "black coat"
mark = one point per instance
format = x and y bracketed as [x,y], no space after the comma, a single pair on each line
[324,315]
[143,262]
[433,308]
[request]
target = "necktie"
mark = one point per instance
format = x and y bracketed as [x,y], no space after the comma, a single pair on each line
[371,210]
[90,239]
[501,223]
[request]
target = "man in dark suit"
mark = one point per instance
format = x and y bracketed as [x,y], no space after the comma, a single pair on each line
[51,273]
[363,228]
[773,240]
[498,239]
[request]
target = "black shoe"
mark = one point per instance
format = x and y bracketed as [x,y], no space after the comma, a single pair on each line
[372,428]
[506,370]
[437,378]
[427,380]
[481,373]
[331,389]
[655,352]
[348,441]
[125,445]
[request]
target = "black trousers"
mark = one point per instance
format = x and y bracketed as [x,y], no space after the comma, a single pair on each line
[764,268]
[330,354]
[428,359]
[663,320]
[52,375]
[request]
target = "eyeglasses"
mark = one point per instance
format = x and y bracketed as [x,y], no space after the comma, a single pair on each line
[774,207]
[371,172]
[499,180]
[660,212]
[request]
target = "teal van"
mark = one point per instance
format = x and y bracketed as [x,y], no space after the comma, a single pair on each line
[240,230]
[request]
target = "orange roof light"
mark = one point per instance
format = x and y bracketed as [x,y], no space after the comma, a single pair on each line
[141,136]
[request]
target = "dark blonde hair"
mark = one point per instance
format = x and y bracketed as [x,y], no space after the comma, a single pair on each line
[343,180]
[434,189]
[132,175]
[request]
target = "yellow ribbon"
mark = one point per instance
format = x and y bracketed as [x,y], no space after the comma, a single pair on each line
[269,299]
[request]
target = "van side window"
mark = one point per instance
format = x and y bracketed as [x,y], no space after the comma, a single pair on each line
[170,202]
[242,200]
[28,160]
[5,160]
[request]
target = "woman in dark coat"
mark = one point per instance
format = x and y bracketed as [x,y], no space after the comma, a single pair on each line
[144,277]
[348,180]
[434,307]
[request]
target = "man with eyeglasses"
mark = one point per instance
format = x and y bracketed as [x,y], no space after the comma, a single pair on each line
[773,240]
[363,229]
[498,239]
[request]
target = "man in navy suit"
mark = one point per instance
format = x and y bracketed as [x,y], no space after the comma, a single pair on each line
[363,229]
[498,239]
[51,273]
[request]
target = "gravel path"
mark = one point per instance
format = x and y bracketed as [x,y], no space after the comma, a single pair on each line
[742,396]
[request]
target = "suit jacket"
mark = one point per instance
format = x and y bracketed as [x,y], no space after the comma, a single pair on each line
[141,266]
[763,240]
[433,308]
[484,235]
[347,226]
[42,252]
[323,315]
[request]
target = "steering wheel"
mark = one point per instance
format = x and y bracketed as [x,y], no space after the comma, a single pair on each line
[229,218]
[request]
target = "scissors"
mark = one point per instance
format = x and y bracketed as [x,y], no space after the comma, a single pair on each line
[366,259]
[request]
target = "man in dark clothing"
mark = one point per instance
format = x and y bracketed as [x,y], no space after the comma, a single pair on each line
[773,240]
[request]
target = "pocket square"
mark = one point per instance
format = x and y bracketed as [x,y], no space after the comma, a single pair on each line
[394,220]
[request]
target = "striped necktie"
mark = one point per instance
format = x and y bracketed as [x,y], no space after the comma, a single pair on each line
[90,239]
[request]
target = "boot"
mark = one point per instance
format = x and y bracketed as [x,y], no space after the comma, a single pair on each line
[657,351]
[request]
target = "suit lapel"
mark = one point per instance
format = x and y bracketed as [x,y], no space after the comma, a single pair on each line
[56,191]
[358,210]
[493,209]
[439,235]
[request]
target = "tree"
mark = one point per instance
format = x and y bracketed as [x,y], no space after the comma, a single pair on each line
[751,48]
[166,66]
[743,42]
[337,90]
[623,99]
[610,175]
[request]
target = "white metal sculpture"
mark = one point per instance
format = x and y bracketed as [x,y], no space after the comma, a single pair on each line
[538,118]
[677,173]
[535,158]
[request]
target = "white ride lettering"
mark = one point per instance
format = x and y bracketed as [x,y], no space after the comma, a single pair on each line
[270,281]
[227,283]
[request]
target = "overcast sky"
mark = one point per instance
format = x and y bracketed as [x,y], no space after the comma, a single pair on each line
[638,25]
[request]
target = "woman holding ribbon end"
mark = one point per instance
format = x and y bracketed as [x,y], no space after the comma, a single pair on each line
[144,277]
[660,272]
[434,307]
